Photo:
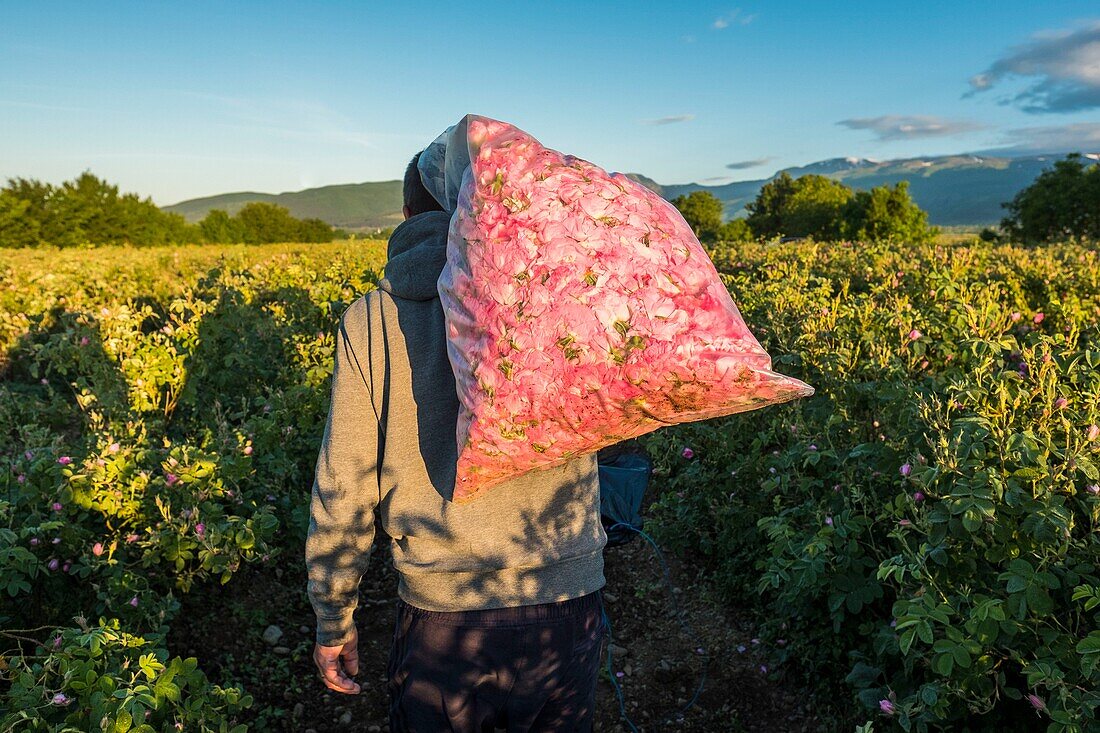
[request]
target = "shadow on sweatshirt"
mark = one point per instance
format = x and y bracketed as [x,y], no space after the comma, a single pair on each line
[390,446]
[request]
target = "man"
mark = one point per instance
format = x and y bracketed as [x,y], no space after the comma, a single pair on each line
[499,618]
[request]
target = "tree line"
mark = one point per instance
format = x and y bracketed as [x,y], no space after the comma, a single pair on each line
[1062,203]
[90,211]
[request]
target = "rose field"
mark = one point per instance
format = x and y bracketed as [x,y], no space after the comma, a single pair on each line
[915,547]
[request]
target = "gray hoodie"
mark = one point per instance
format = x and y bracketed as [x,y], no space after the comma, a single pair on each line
[390,445]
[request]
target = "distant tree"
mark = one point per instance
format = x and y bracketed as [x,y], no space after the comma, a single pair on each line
[767,210]
[1062,202]
[262,223]
[17,227]
[85,211]
[735,230]
[217,227]
[702,210]
[989,234]
[808,206]
[315,230]
[886,214]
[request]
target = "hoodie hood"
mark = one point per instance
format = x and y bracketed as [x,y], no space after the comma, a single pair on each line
[415,256]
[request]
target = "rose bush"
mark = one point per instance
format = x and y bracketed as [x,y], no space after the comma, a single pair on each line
[923,533]
[159,420]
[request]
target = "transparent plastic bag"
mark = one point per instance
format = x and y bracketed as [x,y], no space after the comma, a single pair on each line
[581,309]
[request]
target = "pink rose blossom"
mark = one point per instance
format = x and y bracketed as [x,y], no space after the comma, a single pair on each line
[66,566]
[918,496]
[56,506]
[134,601]
[688,453]
[1015,316]
[200,529]
[1060,403]
[1093,432]
[829,521]
[55,541]
[34,541]
[171,478]
[28,455]
[132,538]
[1038,318]
[113,448]
[64,460]
[914,335]
[84,341]
[247,450]
[1093,489]
[905,469]
[904,522]
[53,564]
[1036,701]
[886,706]
[60,699]
[97,549]
[21,478]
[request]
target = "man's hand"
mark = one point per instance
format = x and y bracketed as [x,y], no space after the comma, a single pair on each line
[328,660]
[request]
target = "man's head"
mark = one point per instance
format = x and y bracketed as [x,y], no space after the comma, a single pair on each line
[417,198]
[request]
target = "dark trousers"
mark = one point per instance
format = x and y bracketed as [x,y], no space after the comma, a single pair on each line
[525,669]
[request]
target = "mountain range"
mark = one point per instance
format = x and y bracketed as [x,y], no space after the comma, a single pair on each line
[955,190]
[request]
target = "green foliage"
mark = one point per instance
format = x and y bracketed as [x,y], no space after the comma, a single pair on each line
[702,210]
[735,230]
[103,678]
[159,417]
[1062,203]
[826,210]
[218,228]
[81,212]
[262,223]
[808,206]
[88,211]
[886,214]
[924,530]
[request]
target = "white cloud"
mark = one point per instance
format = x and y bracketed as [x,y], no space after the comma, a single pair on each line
[908,127]
[745,164]
[734,17]
[1064,67]
[1081,137]
[671,120]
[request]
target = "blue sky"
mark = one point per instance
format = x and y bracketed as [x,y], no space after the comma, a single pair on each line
[178,100]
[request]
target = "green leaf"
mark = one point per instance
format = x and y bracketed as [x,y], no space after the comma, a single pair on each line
[943,664]
[1090,644]
[1039,600]
[122,722]
[905,642]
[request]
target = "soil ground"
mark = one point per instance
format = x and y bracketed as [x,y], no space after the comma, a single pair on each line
[657,657]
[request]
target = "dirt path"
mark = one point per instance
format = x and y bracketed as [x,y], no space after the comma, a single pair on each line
[660,667]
